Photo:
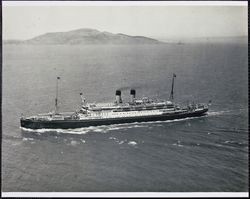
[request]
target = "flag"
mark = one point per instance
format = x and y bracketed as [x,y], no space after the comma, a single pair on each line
[58,77]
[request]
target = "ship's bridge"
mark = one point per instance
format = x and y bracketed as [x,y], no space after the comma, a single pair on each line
[169,102]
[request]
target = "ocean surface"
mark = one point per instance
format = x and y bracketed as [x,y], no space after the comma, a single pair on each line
[207,154]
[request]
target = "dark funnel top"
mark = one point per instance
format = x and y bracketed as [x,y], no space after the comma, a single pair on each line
[118,92]
[132,92]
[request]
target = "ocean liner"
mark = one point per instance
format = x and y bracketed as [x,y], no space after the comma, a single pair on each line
[136,110]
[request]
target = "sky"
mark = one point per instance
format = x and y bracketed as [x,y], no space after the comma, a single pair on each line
[159,22]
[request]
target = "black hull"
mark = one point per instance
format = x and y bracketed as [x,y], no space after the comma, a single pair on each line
[70,124]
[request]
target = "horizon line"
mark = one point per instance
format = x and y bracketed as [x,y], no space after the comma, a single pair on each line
[152,37]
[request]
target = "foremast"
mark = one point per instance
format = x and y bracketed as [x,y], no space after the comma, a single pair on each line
[171,98]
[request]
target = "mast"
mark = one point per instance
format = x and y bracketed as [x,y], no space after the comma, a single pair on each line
[171,98]
[56,100]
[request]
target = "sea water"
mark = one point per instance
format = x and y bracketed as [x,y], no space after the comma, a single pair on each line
[206,154]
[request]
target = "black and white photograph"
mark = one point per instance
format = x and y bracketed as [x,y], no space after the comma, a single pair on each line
[130,98]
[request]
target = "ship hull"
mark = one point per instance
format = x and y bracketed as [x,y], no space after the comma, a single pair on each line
[70,124]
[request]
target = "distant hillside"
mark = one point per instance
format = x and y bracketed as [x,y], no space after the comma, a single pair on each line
[86,36]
